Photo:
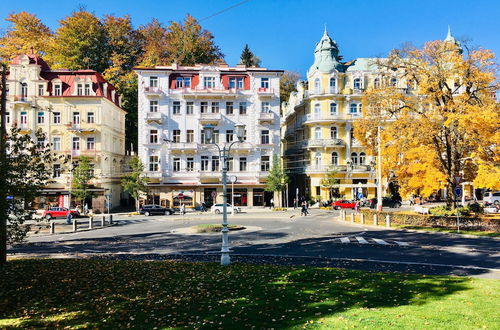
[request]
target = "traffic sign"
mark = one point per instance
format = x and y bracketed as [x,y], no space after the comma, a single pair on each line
[458,191]
[360,195]
[180,196]
[458,179]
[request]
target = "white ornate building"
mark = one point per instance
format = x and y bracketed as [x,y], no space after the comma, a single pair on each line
[176,102]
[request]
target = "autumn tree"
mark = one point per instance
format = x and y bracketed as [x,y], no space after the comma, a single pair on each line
[82,174]
[288,84]
[81,42]
[439,114]
[153,38]
[277,178]
[25,33]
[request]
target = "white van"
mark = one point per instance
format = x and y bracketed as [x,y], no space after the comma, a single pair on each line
[492,197]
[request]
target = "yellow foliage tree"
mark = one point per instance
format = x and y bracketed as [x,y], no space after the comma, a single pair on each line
[440,119]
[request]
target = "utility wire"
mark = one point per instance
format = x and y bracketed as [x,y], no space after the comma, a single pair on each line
[224,10]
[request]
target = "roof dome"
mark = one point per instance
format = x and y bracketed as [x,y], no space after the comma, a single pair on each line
[326,55]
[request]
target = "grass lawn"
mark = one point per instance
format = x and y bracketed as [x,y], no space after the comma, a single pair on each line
[165,294]
[214,228]
[454,231]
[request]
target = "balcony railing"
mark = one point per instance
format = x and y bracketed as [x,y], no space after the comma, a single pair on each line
[153,116]
[148,90]
[183,146]
[266,116]
[338,168]
[321,143]
[313,117]
[263,91]
[210,117]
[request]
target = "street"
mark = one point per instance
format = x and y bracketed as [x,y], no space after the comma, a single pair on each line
[277,237]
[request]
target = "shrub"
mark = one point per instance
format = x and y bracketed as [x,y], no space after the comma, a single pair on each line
[442,211]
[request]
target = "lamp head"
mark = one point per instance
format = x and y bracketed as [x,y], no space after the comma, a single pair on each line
[209,133]
[240,131]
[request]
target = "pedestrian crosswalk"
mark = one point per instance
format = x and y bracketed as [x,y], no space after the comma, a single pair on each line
[367,240]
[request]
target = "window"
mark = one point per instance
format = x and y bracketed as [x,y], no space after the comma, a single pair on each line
[154,163]
[87,89]
[317,160]
[40,143]
[176,108]
[183,82]
[7,117]
[215,163]
[24,90]
[56,143]
[204,163]
[153,81]
[229,108]
[90,117]
[335,158]
[376,83]
[153,106]
[354,158]
[360,108]
[216,136]
[317,85]
[177,164]
[353,108]
[204,107]
[189,136]
[230,164]
[57,117]
[394,82]
[209,82]
[40,119]
[243,164]
[176,135]
[317,133]
[76,118]
[317,111]
[75,143]
[333,132]
[229,136]
[56,171]
[40,90]
[333,108]
[79,89]
[202,137]
[24,118]
[153,136]
[264,163]
[264,83]
[357,83]
[265,107]
[236,82]
[264,137]
[243,108]
[333,85]
[215,107]
[362,158]
[90,143]
[189,108]
[57,90]
[190,164]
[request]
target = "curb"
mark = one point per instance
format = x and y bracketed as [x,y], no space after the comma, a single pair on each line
[74,232]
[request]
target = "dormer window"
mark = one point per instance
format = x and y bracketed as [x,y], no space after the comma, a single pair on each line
[236,82]
[40,89]
[357,83]
[209,82]
[183,82]
[153,81]
[264,83]
[87,89]
[79,89]
[57,90]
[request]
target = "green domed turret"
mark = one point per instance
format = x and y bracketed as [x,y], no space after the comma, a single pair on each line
[451,39]
[326,56]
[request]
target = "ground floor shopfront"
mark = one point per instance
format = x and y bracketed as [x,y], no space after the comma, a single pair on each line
[192,196]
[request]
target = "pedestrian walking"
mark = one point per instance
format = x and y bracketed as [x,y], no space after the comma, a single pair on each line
[303,210]
[294,203]
[271,204]
[356,207]
[68,218]
[183,209]
[85,209]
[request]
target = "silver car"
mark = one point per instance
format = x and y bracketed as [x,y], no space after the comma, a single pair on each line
[217,208]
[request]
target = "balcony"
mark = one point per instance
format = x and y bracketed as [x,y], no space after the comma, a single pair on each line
[23,128]
[154,174]
[206,92]
[183,147]
[18,99]
[76,128]
[266,117]
[322,117]
[265,92]
[209,118]
[320,143]
[152,91]
[153,117]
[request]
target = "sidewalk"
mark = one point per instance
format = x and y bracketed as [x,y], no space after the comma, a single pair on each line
[61,227]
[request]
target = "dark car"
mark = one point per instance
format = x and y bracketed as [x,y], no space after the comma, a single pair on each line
[386,202]
[153,209]
[343,204]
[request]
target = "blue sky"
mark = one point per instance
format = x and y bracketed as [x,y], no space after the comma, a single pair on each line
[283,33]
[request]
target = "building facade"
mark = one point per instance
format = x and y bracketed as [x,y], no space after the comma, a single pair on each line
[79,111]
[317,128]
[176,102]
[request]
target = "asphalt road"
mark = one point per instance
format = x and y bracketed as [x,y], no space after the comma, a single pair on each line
[277,237]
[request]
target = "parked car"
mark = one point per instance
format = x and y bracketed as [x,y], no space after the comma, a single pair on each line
[343,204]
[59,212]
[387,202]
[217,208]
[492,197]
[153,209]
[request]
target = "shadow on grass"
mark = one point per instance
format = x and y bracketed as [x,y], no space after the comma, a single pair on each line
[142,294]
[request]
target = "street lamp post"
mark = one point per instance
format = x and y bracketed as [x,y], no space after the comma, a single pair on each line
[224,156]
[379,172]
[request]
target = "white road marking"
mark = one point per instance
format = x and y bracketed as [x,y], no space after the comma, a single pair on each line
[68,247]
[91,251]
[401,243]
[361,240]
[380,241]
[345,240]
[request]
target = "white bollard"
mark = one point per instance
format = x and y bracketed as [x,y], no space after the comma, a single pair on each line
[91,222]
[103,221]
[362,218]
[352,217]
[388,220]
[375,219]
[52,227]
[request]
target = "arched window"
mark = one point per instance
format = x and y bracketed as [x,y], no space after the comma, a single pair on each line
[333,132]
[376,83]
[317,111]
[353,108]
[394,82]
[24,89]
[333,85]
[362,158]
[317,133]
[335,158]
[317,85]
[317,160]
[333,108]
[354,158]
[357,83]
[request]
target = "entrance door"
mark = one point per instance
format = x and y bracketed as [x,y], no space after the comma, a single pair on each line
[209,195]
[258,197]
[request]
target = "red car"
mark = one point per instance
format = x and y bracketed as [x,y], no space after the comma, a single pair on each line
[59,212]
[343,204]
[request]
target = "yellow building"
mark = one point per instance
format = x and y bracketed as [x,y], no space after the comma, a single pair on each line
[317,128]
[80,113]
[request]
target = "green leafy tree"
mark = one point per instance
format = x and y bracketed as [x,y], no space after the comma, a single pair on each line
[25,33]
[277,178]
[248,58]
[82,174]
[330,181]
[134,182]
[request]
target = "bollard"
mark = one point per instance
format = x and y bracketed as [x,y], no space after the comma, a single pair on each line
[110,219]
[388,220]
[91,222]
[103,221]
[52,227]
[75,225]
[362,218]
[375,219]
[343,215]
[352,217]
